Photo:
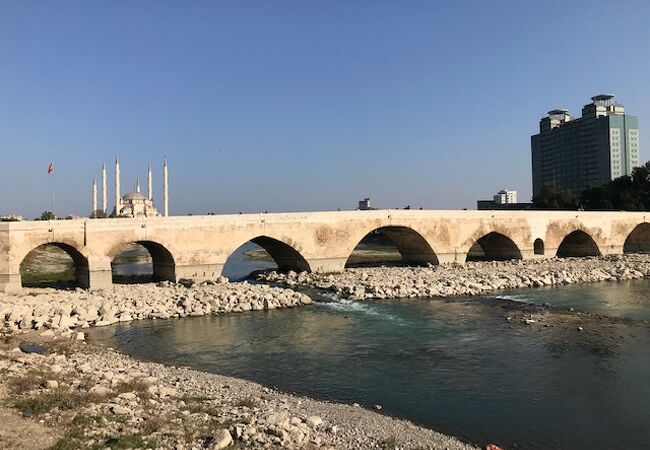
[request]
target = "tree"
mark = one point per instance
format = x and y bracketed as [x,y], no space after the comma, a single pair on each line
[628,193]
[47,215]
[596,197]
[99,214]
[553,196]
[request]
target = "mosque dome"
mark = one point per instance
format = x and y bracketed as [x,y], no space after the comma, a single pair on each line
[135,195]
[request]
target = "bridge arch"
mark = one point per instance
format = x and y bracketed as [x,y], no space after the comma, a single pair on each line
[578,243]
[638,241]
[274,252]
[54,264]
[411,247]
[285,256]
[493,246]
[130,262]
[538,247]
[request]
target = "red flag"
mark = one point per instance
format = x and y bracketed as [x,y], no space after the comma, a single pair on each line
[50,168]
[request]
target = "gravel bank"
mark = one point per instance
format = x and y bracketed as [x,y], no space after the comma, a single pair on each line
[93,397]
[59,309]
[473,278]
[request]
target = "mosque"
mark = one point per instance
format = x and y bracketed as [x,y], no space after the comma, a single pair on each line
[133,204]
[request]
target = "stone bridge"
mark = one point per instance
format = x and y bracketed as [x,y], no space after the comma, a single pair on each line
[197,247]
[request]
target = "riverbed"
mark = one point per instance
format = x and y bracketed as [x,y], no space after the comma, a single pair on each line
[473,367]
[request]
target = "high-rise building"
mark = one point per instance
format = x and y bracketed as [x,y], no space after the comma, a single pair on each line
[591,150]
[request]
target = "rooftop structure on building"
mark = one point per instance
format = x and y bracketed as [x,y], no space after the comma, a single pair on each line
[576,153]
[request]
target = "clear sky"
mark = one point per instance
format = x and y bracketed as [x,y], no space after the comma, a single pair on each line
[301,105]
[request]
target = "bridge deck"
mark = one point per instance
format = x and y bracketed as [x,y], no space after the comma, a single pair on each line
[198,246]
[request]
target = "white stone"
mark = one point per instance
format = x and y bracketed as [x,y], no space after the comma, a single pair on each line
[280,419]
[100,390]
[166,391]
[120,410]
[128,396]
[222,439]
[314,421]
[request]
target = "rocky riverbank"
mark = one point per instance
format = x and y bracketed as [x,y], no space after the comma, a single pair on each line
[473,278]
[60,309]
[82,395]
[79,395]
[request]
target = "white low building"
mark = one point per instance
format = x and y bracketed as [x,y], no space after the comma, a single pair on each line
[505,197]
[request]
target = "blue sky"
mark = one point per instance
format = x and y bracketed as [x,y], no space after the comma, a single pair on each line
[301,105]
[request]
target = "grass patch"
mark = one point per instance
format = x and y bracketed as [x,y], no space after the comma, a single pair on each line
[61,399]
[65,347]
[83,420]
[139,387]
[196,399]
[194,429]
[389,443]
[249,402]
[153,424]
[75,438]
[30,381]
[128,441]
[203,407]
[68,443]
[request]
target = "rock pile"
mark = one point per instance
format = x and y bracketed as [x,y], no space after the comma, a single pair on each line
[57,309]
[473,278]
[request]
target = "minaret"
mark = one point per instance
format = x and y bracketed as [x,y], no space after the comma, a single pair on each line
[149,183]
[118,197]
[94,210]
[104,192]
[165,189]
[137,186]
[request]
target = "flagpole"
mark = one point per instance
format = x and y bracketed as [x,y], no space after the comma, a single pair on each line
[53,195]
[50,171]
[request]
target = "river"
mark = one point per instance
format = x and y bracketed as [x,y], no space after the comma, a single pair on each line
[456,365]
